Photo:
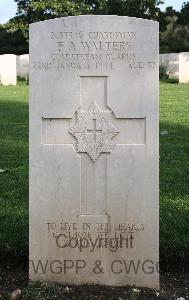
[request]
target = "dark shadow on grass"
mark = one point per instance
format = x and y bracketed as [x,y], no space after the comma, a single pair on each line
[14,112]
[174,149]
[14,181]
[174,195]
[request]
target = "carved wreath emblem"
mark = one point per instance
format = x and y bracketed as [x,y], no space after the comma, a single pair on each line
[94,131]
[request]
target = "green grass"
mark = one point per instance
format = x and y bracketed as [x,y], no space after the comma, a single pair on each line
[14,160]
[174,169]
[174,153]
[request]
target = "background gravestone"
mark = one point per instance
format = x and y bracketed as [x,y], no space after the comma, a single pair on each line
[8,69]
[22,63]
[184,67]
[177,65]
[94,151]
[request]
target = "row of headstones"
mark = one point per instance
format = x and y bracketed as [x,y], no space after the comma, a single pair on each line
[12,66]
[177,65]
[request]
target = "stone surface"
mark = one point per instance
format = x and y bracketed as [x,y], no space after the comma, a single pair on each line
[22,62]
[171,61]
[90,139]
[8,69]
[174,65]
[184,67]
[164,59]
[177,65]
[16,295]
[94,151]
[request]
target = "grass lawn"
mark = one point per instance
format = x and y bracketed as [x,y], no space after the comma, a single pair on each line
[174,169]
[174,181]
[14,163]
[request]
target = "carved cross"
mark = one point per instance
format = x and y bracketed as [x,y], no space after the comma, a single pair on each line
[94,131]
[106,132]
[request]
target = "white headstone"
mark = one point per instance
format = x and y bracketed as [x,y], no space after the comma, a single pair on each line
[171,61]
[18,65]
[184,67]
[94,151]
[164,59]
[23,66]
[174,65]
[8,69]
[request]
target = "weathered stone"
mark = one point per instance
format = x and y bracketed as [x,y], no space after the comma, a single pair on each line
[94,150]
[16,295]
[184,67]
[8,69]
[177,65]
[22,62]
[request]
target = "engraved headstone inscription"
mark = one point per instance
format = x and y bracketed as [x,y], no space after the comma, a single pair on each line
[94,210]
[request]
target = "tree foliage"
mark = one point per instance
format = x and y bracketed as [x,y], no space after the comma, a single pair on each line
[12,41]
[174,26]
[39,10]
[174,30]
[36,10]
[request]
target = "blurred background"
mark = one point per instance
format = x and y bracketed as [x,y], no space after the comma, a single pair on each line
[16,15]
